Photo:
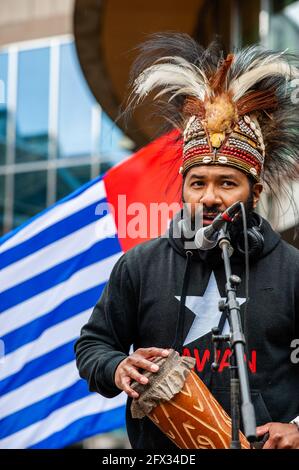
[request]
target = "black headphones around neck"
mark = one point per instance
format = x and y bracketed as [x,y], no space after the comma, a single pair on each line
[255,238]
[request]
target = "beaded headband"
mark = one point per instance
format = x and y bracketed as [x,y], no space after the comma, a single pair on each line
[243,148]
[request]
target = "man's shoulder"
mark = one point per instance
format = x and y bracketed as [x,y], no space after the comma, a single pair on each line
[290,248]
[290,251]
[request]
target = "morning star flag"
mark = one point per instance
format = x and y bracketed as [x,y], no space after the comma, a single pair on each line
[52,272]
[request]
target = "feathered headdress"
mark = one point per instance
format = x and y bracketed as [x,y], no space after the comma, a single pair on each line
[240,110]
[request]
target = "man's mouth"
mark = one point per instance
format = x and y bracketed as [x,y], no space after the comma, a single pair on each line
[207,218]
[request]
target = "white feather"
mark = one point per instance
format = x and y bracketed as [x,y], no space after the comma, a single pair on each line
[274,57]
[240,85]
[174,75]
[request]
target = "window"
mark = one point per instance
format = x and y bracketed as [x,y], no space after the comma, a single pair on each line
[70,179]
[30,195]
[112,142]
[32,105]
[75,103]
[3,106]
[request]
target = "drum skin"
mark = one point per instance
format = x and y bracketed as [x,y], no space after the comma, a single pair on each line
[193,419]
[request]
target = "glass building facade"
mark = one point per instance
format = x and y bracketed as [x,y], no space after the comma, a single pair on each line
[54,136]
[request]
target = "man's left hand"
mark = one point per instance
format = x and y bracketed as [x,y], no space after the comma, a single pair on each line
[281,435]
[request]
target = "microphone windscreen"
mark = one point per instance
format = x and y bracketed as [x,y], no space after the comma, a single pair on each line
[202,242]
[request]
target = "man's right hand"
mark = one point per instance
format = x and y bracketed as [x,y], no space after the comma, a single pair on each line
[127,370]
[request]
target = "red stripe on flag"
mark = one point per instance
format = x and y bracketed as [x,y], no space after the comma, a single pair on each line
[149,176]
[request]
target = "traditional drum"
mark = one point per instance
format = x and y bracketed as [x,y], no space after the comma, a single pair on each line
[180,404]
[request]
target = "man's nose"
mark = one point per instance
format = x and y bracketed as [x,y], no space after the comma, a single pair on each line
[210,197]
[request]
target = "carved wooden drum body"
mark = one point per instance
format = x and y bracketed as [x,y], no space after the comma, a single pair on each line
[180,404]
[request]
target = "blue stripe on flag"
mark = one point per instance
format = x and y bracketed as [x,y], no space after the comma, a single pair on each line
[60,273]
[52,234]
[39,366]
[43,408]
[73,195]
[67,309]
[84,428]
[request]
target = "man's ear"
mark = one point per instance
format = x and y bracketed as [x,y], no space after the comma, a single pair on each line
[257,190]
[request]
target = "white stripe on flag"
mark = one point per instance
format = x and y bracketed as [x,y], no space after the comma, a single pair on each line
[39,305]
[59,212]
[60,419]
[49,340]
[38,389]
[57,252]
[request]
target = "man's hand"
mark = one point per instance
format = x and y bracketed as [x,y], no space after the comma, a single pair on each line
[281,435]
[127,370]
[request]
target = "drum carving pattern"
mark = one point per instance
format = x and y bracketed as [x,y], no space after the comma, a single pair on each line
[180,404]
[193,419]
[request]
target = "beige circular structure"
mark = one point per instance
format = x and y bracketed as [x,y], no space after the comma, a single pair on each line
[107,33]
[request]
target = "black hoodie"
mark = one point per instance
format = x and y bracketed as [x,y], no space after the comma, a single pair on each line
[140,306]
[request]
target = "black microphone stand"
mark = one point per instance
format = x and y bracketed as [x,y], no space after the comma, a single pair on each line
[238,369]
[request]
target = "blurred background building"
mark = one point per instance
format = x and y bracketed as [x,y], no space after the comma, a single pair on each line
[54,136]
[64,66]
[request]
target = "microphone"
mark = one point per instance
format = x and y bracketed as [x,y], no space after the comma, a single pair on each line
[205,238]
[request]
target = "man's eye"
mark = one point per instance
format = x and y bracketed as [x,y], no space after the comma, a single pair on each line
[228,183]
[197,183]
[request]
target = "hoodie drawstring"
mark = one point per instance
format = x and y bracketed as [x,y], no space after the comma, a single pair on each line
[178,342]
